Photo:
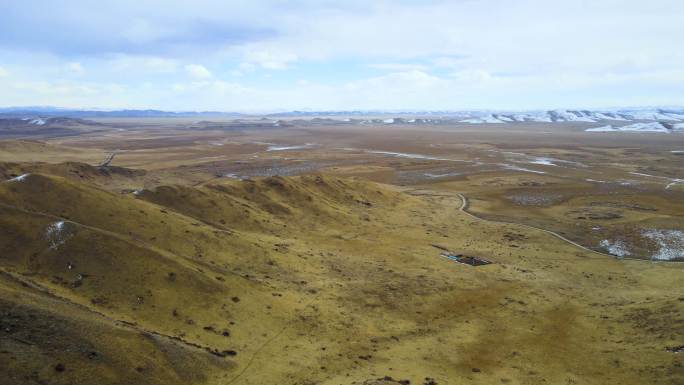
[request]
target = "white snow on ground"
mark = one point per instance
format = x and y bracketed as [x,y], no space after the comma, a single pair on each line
[388,121]
[405,155]
[670,243]
[544,161]
[414,156]
[486,119]
[677,151]
[678,116]
[584,119]
[285,148]
[435,176]
[38,122]
[674,183]
[617,248]
[541,119]
[646,127]
[56,234]
[648,175]
[652,115]
[509,152]
[517,168]
[636,127]
[604,116]
[234,176]
[19,178]
[607,128]
[671,181]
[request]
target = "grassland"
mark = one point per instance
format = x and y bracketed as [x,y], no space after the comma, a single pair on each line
[215,257]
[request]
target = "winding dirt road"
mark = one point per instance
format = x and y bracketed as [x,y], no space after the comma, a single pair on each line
[464,209]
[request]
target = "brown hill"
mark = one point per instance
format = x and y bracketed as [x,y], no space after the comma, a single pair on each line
[309,280]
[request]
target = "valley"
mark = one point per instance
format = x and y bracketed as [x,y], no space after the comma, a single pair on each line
[309,251]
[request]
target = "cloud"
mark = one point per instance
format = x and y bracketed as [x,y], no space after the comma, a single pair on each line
[142,63]
[3,73]
[80,27]
[399,66]
[385,54]
[74,67]
[406,79]
[198,71]
[268,60]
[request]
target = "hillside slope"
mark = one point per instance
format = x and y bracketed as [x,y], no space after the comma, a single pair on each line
[311,280]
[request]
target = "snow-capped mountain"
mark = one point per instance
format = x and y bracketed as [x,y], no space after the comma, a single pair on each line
[666,118]
[586,116]
[641,127]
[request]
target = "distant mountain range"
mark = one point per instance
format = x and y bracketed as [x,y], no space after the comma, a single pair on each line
[665,115]
[589,116]
[75,113]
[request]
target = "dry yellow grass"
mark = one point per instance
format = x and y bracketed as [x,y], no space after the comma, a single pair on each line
[313,280]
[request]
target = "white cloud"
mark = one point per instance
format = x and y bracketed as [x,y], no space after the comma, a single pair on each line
[142,63]
[142,31]
[74,67]
[3,72]
[406,79]
[434,54]
[399,66]
[197,71]
[268,60]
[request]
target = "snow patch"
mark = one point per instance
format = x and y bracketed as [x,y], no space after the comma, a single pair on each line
[616,248]
[544,161]
[486,119]
[56,234]
[670,243]
[607,128]
[414,156]
[435,176]
[512,167]
[671,181]
[636,127]
[286,148]
[19,178]
[234,176]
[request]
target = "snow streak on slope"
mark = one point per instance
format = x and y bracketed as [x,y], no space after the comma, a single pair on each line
[636,127]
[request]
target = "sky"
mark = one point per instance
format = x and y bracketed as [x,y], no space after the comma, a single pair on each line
[341,55]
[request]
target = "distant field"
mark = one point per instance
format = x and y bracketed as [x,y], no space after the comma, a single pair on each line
[597,188]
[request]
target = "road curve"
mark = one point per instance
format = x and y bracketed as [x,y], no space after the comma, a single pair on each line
[464,209]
